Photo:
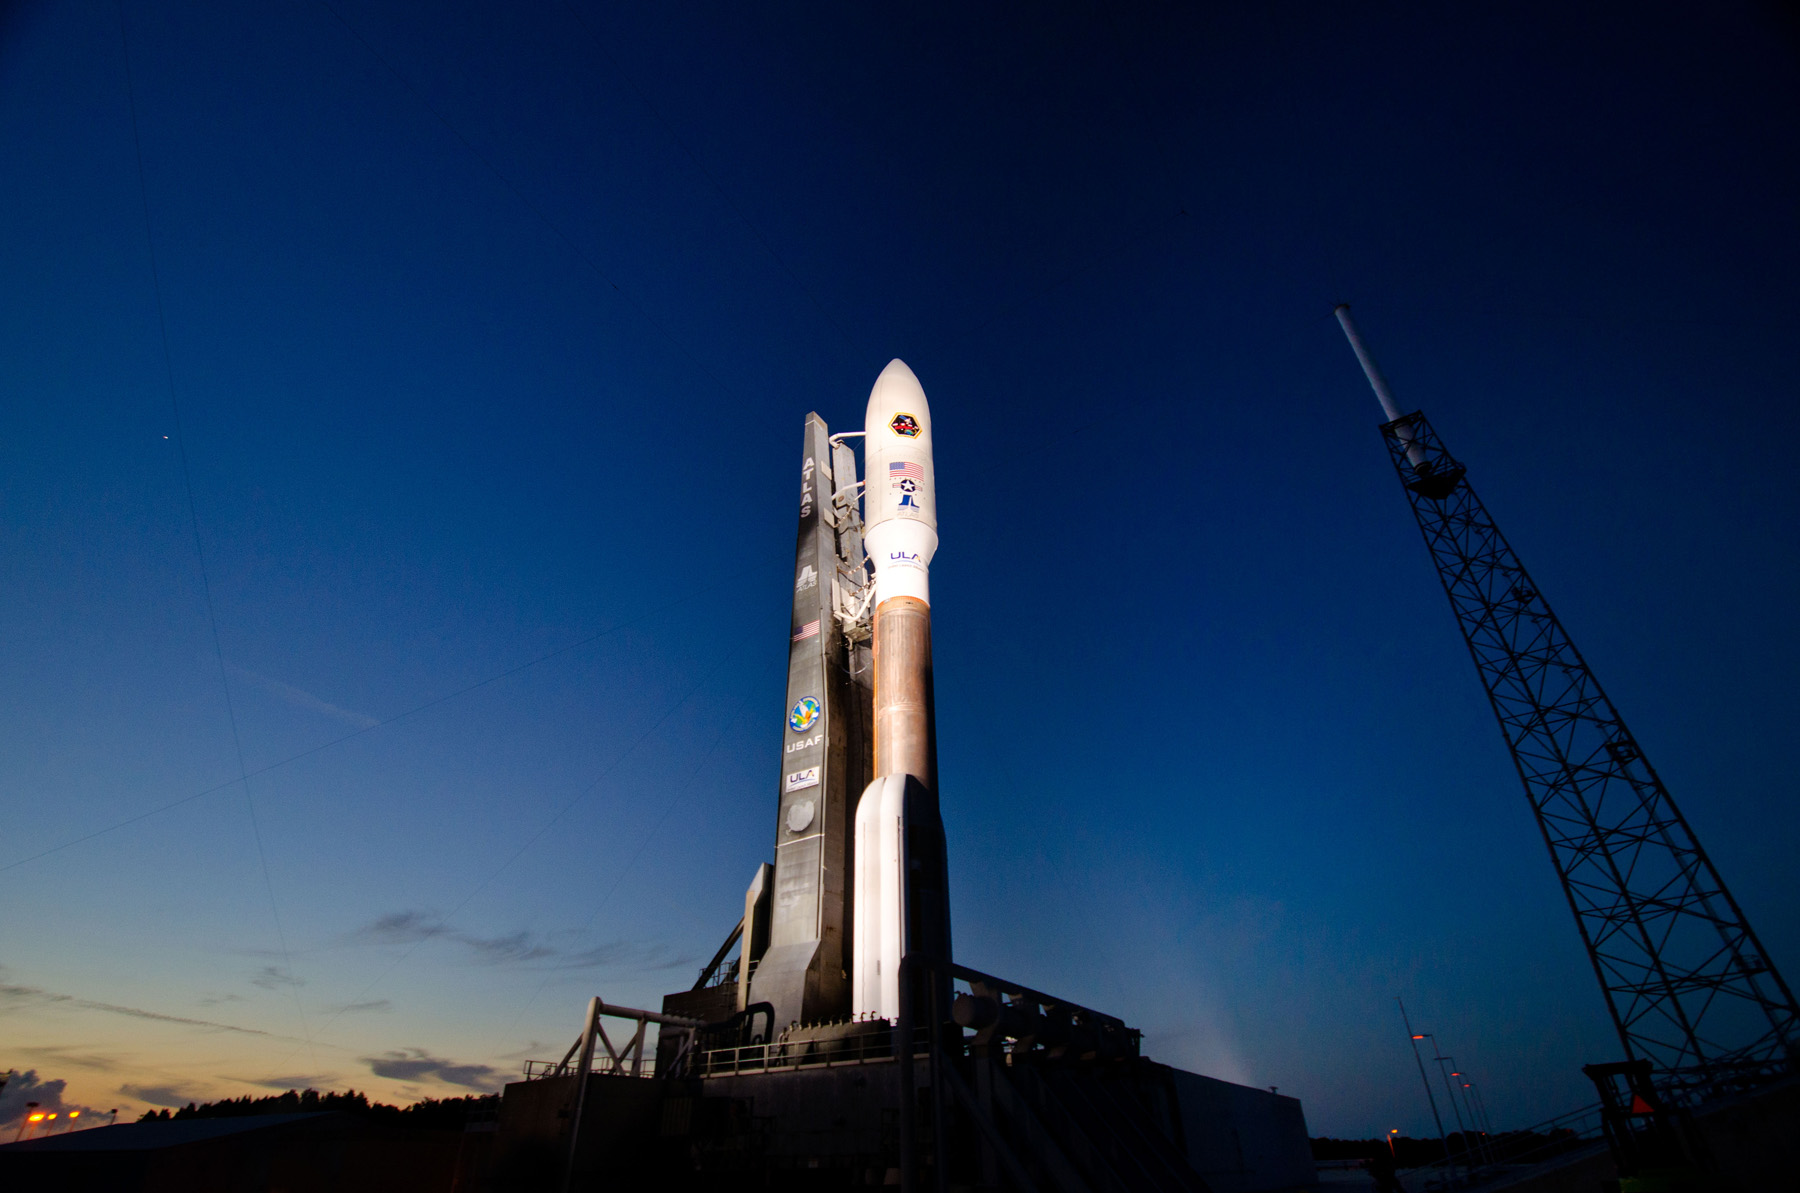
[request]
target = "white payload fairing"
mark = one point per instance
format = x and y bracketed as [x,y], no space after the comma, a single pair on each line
[900,486]
[902,902]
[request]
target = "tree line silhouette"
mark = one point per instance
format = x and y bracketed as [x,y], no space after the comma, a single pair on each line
[1507,1147]
[441,1114]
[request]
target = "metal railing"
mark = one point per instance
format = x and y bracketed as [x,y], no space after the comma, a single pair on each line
[1007,1018]
[582,1059]
[1004,1016]
[538,1070]
[862,1049]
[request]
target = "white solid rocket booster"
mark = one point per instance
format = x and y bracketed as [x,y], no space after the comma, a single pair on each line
[900,901]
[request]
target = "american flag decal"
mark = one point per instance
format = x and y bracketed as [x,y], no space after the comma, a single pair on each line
[905,470]
[806,631]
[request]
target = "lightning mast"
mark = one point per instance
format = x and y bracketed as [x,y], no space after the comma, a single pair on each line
[1686,980]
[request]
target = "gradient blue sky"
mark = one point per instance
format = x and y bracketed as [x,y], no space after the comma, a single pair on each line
[492,327]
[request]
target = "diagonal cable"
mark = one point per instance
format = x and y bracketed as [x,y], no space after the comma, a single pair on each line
[187,481]
[534,839]
[395,719]
[668,810]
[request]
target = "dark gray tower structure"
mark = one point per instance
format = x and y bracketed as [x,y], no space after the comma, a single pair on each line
[804,905]
[1688,984]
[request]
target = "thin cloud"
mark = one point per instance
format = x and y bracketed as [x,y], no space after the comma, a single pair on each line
[522,949]
[360,1008]
[157,1095]
[300,698]
[415,1064]
[274,977]
[624,954]
[61,1055]
[297,1081]
[399,928]
[16,995]
[515,949]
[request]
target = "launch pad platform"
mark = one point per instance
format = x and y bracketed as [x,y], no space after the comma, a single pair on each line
[1011,1089]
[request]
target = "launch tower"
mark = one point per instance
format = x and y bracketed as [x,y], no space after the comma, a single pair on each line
[796,950]
[1688,985]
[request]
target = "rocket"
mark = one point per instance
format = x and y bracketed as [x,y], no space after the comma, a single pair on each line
[900,890]
[900,535]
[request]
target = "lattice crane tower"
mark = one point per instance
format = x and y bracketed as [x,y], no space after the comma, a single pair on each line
[1688,984]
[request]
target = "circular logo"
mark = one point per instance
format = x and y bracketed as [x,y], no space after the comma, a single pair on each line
[904,425]
[805,715]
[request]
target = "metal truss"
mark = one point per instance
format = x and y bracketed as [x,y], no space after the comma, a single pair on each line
[1688,984]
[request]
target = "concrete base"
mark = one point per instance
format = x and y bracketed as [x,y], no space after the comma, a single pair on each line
[835,1119]
[1241,1139]
[619,1141]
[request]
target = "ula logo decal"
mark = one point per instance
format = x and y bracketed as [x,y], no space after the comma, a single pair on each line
[904,425]
[804,715]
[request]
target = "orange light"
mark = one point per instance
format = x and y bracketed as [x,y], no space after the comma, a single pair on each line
[74,1114]
[36,1118]
[53,1116]
[1418,1037]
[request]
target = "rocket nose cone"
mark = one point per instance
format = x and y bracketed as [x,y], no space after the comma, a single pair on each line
[896,389]
[899,371]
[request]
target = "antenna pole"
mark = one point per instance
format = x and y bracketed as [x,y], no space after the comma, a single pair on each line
[1377,382]
[1414,1041]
